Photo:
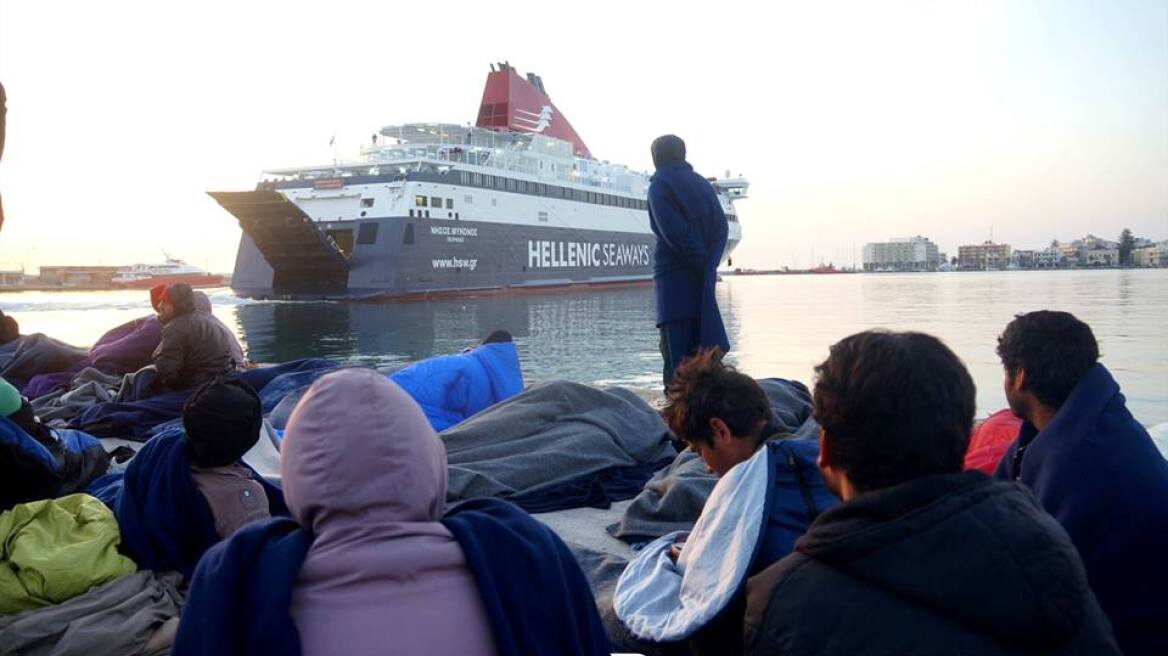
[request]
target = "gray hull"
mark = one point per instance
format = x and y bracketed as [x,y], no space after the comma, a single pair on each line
[410,256]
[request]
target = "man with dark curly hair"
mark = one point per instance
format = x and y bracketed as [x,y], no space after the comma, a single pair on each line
[718,412]
[1093,467]
[922,557]
[726,418]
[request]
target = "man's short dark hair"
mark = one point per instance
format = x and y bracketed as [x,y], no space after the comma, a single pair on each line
[182,297]
[222,419]
[704,387]
[1055,350]
[895,407]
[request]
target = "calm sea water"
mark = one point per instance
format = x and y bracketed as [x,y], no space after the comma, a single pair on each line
[779,325]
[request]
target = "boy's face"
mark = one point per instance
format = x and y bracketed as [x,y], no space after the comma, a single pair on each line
[723,451]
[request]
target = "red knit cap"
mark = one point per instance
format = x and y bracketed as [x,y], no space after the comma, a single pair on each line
[157,295]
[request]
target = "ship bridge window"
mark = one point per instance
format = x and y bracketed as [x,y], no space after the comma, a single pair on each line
[543,217]
[449,203]
[367,234]
[435,201]
[366,202]
[420,201]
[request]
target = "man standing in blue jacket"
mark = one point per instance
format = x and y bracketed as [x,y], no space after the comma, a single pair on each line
[691,230]
[1093,467]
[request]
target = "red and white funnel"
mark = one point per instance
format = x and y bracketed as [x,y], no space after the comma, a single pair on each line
[513,103]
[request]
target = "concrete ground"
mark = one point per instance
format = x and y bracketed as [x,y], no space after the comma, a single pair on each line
[586,527]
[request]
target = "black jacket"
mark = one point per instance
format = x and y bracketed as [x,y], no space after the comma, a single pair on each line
[195,348]
[948,564]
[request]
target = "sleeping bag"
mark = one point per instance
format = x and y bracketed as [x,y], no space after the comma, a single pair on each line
[451,388]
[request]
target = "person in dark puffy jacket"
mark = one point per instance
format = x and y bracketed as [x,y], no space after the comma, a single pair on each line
[921,558]
[195,347]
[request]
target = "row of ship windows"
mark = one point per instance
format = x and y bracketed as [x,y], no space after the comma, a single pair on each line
[435,201]
[486,181]
[448,203]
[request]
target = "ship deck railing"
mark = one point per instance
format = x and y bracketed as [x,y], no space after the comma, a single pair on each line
[492,165]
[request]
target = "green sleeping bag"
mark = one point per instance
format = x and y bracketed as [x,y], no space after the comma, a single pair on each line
[56,549]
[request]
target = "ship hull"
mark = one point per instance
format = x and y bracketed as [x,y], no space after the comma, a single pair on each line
[407,257]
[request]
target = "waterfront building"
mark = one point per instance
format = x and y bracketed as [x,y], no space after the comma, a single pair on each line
[907,254]
[12,279]
[1093,243]
[1072,253]
[92,277]
[983,257]
[1103,257]
[1047,258]
[1155,255]
[1023,259]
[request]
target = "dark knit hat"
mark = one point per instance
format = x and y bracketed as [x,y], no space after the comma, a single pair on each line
[667,149]
[222,421]
[498,337]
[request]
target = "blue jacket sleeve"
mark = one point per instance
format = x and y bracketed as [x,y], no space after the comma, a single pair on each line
[675,229]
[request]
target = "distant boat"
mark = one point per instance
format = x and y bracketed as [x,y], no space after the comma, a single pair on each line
[172,272]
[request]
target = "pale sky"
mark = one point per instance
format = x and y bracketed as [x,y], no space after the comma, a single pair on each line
[854,122]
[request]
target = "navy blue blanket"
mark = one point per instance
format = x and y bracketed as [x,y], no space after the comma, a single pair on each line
[165,521]
[592,490]
[24,358]
[240,597]
[686,216]
[136,420]
[1097,471]
[537,599]
[64,463]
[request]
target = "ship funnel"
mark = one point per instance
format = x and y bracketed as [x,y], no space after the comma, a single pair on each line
[515,104]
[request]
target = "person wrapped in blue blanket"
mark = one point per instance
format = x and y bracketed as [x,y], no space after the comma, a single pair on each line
[187,489]
[371,563]
[1092,466]
[451,388]
[684,593]
[38,462]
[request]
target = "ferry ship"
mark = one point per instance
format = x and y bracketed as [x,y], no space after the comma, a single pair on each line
[515,202]
[171,272]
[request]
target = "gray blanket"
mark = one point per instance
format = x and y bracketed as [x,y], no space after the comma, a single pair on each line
[88,387]
[672,500]
[132,615]
[548,435]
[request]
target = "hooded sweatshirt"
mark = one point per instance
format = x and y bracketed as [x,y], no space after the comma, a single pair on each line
[365,472]
[946,564]
[203,306]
